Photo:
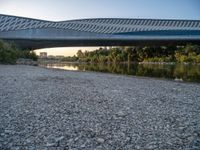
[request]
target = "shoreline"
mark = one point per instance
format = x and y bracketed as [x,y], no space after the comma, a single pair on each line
[148,70]
[150,63]
[124,75]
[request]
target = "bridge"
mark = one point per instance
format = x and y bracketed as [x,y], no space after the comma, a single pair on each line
[33,33]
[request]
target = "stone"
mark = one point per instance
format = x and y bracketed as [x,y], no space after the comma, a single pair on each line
[66,114]
[120,114]
[59,138]
[137,147]
[51,144]
[100,140]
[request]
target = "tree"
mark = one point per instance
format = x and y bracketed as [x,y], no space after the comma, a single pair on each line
[9,53]
[80,54]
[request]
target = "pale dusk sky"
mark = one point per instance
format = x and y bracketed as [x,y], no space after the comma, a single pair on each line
[66,51]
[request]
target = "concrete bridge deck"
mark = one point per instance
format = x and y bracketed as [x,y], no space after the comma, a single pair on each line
[33,33]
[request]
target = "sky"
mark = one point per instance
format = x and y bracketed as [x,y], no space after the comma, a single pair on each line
[66,51]
[57,10]
[60,10]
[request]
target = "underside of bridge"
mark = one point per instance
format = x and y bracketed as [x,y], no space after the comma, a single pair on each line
[29,33]
[37,44]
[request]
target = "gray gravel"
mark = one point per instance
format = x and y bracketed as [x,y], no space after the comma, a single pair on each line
[54,109]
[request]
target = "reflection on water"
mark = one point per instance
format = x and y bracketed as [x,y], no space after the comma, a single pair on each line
[61,66]
[179,72]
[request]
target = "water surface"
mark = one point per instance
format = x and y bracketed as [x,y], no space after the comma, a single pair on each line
[178,72]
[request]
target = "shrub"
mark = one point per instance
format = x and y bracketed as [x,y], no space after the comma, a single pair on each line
[9,53]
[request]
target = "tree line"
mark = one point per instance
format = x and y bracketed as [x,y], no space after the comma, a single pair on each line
[9,53]
[189,53]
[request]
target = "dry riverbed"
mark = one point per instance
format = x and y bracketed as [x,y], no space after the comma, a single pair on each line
[55,109]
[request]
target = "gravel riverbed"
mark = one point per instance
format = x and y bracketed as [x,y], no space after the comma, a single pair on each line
[56,109]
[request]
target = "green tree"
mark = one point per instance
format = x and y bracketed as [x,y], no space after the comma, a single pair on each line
[80,54]
[9,53]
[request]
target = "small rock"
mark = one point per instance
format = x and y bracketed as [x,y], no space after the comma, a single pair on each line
[28,140]
[151,145]
[128,138]
[137,147]
[2,134]
[51,144]
[70,140]
[83,146]
[8,131]
[120,114]
[76,139]
[59,138]
[100,140]
[178,79]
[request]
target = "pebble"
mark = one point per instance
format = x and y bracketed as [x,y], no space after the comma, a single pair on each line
[59,138]
[100,140]
[51,144]
[120,114]
[53,109]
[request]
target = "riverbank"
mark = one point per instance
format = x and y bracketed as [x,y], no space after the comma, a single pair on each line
[180,72]
[49,108]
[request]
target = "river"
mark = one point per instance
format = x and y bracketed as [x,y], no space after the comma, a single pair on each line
[178,72]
